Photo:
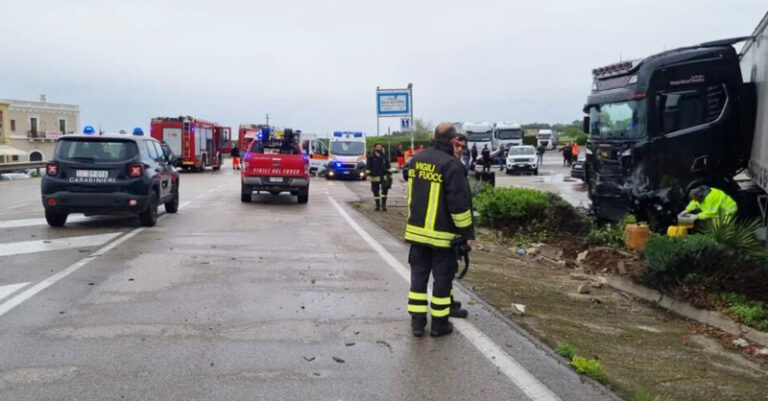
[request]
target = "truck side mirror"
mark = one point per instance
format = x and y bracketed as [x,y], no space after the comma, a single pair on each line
[585,124]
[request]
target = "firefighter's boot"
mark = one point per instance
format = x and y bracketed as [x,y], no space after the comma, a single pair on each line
[378,205]
[457,311]
[441,327]
[384,203]
[418,323]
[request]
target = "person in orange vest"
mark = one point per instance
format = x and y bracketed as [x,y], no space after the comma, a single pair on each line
[235,153]
[575,152]
[409,153]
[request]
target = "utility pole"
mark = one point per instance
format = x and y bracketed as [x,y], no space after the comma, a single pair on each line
[267,119]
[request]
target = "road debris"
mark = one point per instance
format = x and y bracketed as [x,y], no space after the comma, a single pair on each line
[309,359]
[338,360]
[584,289]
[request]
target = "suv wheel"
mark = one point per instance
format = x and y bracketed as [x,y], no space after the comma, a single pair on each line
[149,216]
[245,193]
[173,205]
[303,195]
[55,219]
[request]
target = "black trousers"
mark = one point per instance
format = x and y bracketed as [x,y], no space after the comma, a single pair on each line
[379,189]
[442,264]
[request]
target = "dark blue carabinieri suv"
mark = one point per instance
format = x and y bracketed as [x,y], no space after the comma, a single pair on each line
[109,174]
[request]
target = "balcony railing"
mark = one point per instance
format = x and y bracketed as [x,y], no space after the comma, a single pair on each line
[49,135]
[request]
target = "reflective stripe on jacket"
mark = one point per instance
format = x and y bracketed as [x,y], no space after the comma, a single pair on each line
[439,199]
[714,203]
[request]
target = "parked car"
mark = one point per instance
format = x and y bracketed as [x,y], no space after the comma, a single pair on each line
[578,172]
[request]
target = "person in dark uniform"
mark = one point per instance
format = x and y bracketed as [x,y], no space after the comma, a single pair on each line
[486,155]
[379,171]
[474,155]
[439,216]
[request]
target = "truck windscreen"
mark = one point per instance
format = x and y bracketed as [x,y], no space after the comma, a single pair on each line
[620,120]
[510,133]
[478,136]
[347,148]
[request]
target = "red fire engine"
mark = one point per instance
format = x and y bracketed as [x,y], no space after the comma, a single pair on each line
[194,141]
[225,139]
[246,133]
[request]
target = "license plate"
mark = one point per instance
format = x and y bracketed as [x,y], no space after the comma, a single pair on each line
[346,172]
[92,174]
[275,179]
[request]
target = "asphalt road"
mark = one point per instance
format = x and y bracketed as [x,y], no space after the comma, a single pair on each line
[230,301]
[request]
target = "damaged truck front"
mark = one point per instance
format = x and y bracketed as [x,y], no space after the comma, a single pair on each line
[662,125]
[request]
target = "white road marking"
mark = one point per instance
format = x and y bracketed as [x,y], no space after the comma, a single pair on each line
[524,380]
[9,289]
[36,222]
[22,247]
[32,291]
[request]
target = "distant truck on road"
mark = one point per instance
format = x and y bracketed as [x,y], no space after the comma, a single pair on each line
[508,134]
[479,134]
[546,138]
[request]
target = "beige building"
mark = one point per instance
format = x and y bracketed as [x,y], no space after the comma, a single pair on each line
[30,129]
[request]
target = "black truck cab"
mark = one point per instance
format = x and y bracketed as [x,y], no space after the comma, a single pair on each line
[662,125]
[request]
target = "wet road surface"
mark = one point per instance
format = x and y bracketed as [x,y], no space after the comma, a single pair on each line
[239,301]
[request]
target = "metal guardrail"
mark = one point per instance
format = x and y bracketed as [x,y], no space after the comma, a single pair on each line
[12,167]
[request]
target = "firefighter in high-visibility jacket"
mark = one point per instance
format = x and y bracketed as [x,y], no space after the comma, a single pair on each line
[711,203]
[379,171]
[439,213]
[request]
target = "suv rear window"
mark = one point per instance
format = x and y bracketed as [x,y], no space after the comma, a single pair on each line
[97,151]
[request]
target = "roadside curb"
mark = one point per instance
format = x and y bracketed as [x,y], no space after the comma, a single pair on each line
[684,309]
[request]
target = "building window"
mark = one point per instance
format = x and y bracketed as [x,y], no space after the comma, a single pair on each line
[13,125]
[33,125]
[63,125]
[35,156]
[15,158]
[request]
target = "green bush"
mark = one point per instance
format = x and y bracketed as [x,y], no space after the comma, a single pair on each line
[567,351]
[751,314]
[530,140]
[738,236]
[590,367]
[609,235]
[670,260]
[581,139]
[510,209]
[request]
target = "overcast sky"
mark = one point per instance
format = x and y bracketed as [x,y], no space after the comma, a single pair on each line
[314,65]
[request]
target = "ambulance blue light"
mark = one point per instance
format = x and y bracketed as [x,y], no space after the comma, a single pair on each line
[138,131]
[337,134]
[358,134]
[88,130]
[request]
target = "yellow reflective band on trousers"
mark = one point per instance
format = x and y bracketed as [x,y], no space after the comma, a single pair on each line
[417,296]
[441,312]
[418,309]
[462,220]
[441,301]
[434,197]
[375,179]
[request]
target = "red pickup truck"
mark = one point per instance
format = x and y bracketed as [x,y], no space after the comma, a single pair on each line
[275,165]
